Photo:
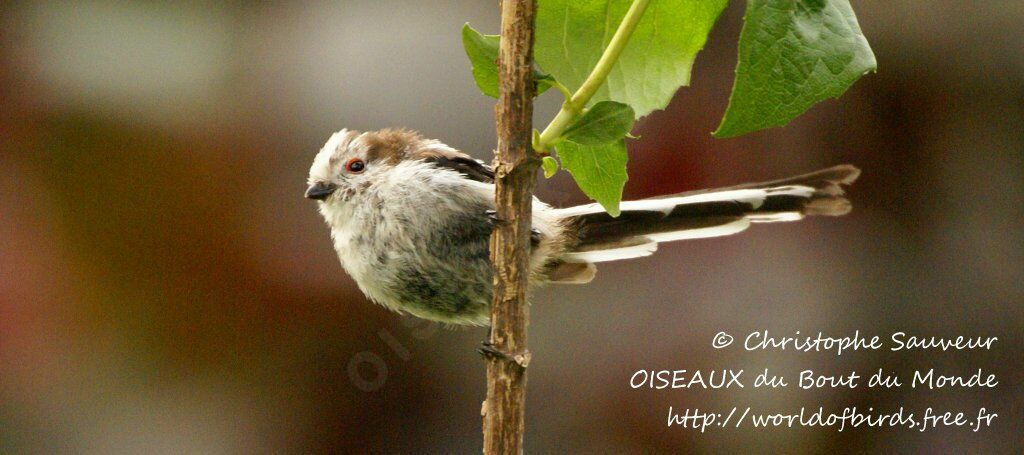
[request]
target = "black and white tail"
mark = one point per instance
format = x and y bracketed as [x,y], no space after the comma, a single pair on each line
[701,214]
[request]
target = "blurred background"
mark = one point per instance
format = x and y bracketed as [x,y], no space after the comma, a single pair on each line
[164,287]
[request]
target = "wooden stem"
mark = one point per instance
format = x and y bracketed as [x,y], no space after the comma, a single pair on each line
[515,171]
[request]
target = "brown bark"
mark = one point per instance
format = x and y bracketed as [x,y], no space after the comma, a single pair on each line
[515,168]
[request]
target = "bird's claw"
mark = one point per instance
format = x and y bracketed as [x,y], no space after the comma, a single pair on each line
[489,351]
[492,217]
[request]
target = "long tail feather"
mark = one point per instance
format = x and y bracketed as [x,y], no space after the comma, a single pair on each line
[700,214]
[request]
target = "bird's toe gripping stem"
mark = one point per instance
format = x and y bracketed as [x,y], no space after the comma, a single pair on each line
[489,351]
[494,221]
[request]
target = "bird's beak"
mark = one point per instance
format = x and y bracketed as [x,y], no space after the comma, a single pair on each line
[320,190]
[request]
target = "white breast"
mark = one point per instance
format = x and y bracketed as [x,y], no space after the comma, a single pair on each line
[404,204]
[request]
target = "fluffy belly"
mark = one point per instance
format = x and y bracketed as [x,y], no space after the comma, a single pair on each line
[442,274]
[444,296]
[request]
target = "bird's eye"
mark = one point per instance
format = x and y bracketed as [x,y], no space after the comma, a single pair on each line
[355,165]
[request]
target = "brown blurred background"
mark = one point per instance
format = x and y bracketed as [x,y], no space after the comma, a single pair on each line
[164,287]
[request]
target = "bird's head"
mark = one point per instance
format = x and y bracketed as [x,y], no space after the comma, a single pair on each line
[351,161]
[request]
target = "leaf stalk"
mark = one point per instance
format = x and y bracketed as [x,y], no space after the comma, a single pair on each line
[572,107]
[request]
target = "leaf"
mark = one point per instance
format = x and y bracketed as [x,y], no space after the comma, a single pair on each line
[792,54]
[482,51]
[606,122]
[544,81]
[600,170]
[550,166]
[571,35]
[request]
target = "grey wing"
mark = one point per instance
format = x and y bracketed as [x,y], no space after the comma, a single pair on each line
[460,162]
[472,169]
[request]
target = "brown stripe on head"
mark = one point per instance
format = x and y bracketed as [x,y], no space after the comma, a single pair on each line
[389,145]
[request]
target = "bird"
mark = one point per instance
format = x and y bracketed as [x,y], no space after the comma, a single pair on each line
[410,220]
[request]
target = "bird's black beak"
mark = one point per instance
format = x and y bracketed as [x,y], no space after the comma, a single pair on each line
[320,190]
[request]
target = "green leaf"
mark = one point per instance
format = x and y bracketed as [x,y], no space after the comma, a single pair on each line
[792,54]
[606,122]
[550,166]
[482,51]
[599,170]
[571,35]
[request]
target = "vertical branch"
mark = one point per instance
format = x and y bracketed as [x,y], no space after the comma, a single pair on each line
[515,170]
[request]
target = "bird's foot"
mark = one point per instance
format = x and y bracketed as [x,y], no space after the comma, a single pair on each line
[535,236]
[494,221]
[489,351]
[492,218]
